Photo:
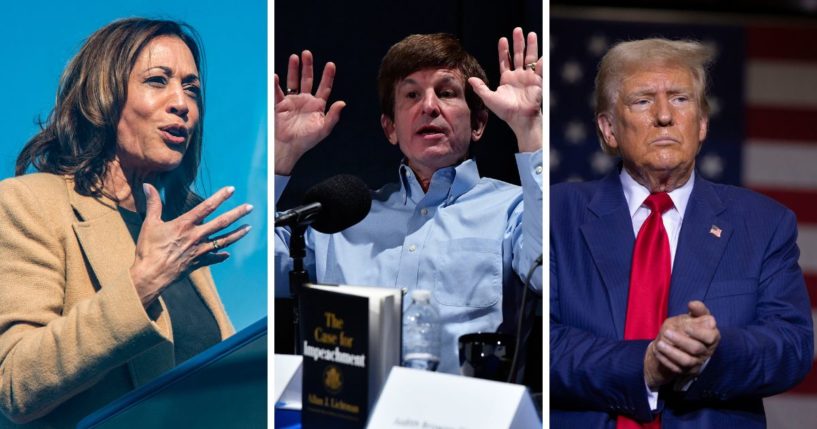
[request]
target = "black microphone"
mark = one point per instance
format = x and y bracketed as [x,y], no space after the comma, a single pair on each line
[330,206]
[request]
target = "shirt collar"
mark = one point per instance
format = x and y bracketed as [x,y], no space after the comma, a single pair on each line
[447,182]
[635,193]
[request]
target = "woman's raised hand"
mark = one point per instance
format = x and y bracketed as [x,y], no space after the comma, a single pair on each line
[166,250]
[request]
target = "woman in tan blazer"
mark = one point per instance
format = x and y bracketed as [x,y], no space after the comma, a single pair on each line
[102,285]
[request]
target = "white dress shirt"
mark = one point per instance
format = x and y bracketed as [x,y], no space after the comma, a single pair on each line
[635,194]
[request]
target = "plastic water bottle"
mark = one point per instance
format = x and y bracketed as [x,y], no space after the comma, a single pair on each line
[421,333]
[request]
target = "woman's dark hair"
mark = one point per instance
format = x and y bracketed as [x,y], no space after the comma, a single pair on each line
[80,135]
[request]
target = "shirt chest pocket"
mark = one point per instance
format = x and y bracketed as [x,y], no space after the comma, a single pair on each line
[468,273]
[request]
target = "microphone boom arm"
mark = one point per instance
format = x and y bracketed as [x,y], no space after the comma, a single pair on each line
[299,216]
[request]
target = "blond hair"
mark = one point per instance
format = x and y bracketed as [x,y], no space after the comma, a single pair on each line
[625,57]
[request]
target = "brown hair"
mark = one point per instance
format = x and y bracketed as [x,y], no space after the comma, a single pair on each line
[79,136]
[624,57]
[425,51]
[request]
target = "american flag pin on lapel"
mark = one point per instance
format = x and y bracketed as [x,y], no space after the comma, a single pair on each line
[714,230]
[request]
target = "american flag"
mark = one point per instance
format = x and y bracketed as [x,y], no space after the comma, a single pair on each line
[762,131]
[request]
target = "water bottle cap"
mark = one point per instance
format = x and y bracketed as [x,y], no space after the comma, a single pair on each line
[421,295]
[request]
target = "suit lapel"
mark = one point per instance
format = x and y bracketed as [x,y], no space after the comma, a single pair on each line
[609,236]
[109,248]
[103,236]
[702,241]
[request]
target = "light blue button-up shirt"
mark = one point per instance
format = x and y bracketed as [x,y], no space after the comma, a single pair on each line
[463,240]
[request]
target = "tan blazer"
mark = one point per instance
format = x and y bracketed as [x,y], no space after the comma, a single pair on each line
[73,332]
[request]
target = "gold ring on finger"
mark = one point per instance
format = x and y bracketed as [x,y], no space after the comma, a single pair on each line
[216,244]
[291,91]
[532,66]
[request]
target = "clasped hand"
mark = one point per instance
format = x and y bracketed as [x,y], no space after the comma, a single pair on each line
[682,346]
[166,250]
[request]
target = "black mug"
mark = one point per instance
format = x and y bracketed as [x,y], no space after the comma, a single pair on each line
[486,355]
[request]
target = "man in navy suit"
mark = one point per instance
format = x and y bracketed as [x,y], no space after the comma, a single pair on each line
[734,324]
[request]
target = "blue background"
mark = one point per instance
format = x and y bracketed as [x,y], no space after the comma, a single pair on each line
[38,40]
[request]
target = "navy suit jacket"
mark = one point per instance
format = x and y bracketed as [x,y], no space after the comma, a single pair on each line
[748,278]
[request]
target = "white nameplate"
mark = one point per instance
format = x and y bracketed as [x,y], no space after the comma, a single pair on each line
[288,375]
[421,399]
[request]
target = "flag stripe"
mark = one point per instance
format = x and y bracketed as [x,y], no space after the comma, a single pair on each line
[806,387]
[784,84]
[811,285]
[790,411]
[777,164]
[782,42]
[779,158]
[807,241]
[809,384]
[802,202]
[780,123]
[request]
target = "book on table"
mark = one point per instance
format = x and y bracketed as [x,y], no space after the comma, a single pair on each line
[351,339]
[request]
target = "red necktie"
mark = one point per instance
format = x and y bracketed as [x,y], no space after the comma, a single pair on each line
[649,285]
